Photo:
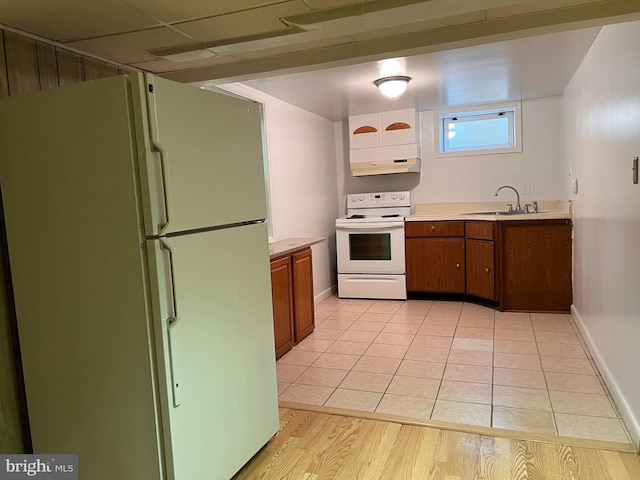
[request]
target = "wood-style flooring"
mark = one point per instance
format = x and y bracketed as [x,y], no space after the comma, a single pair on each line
[315,445]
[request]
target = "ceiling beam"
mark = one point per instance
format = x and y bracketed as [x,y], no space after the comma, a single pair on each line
[488,31]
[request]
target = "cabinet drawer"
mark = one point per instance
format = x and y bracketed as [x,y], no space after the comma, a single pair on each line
[435,229]
[480,230]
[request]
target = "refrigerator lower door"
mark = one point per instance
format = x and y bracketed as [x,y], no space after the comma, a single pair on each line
[214,334]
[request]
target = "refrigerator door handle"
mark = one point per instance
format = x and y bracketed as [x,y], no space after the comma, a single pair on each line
[172,324]
[164,170]
[159,149]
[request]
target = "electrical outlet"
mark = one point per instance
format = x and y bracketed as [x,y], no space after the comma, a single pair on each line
[526,188]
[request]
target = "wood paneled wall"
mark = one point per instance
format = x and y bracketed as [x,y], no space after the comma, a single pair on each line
[27,65]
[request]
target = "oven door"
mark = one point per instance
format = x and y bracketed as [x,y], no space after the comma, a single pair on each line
[370,248]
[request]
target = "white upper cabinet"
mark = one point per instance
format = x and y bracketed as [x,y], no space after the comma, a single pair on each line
[397,127]
[364,131]
[383,143]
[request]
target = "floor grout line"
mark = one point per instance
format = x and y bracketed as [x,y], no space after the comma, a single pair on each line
[479,324]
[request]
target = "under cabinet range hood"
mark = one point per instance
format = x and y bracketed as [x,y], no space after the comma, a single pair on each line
[384,143]
[374,162]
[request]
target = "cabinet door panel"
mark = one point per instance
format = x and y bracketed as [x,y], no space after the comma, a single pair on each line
[480,269]
[281,286]
[537,267]
[364,131]
[435,265]
[303,294]
[398,127]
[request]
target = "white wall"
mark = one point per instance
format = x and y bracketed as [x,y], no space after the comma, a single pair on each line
[602,126]
[592,133]
[476,178]
[302,180]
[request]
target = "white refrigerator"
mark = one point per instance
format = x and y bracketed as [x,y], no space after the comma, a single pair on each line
[134,210]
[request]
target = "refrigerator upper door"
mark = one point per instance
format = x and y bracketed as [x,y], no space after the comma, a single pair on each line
[200,157]
[214,327]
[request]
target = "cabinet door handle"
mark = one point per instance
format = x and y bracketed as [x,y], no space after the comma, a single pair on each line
[433,228]
[457,265]
[486,270]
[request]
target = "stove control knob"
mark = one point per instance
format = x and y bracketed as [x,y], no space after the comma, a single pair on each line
[354,199]
[402,196]
[394,196]
[361,198]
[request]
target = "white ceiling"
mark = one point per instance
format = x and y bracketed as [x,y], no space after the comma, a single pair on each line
[322,55]
[532,67]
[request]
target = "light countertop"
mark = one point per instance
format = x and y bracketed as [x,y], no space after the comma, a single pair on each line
[290,245]
[548,210]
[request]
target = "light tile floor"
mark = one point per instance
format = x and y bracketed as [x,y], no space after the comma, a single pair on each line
[452,361]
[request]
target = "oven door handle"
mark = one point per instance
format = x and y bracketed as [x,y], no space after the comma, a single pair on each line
[371,226]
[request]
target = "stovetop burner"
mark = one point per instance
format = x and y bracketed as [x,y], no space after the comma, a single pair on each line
[382,208]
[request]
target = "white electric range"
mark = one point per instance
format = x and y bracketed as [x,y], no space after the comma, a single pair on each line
[370,246]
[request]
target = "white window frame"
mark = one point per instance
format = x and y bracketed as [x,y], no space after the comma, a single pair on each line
[443,117]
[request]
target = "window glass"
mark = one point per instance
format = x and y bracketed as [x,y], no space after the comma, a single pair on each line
[478,131]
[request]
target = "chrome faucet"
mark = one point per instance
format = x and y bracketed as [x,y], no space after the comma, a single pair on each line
[518,208]
[533,204]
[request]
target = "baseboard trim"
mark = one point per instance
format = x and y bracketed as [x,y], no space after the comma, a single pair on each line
[632,423]
[325,294]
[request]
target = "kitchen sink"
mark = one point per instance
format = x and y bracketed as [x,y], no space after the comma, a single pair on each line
[502,212]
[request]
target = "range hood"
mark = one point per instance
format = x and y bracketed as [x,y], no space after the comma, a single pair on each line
[385,168]
[384,160]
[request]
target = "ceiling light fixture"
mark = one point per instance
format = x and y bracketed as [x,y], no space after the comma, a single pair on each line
[392,87]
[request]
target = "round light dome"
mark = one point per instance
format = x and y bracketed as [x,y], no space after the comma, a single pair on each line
[392,87]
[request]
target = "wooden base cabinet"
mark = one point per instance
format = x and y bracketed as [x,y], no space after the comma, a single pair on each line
[481,271]
[536,272]
[292,292]
[303,307]
[434,253]
[282,299]
[520,265]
